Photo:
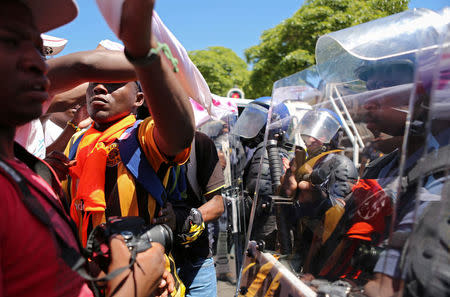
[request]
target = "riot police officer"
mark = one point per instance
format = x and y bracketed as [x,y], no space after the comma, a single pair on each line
[318,182]
[251,127]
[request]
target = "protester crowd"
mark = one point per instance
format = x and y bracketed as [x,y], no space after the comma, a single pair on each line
[109,190]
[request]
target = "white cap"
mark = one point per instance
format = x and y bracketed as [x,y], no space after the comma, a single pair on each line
[111,45]
[53,45]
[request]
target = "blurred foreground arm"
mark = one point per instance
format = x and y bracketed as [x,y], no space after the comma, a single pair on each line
[167,100]
[69,71]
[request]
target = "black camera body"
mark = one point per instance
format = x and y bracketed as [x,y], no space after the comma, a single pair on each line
[137,235]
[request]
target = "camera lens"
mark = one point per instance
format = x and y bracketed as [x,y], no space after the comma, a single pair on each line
[161,234]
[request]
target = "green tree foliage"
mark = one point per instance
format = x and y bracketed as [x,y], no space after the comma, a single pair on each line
[222,68]
[289,47]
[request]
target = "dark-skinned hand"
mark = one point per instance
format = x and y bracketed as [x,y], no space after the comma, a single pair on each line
[60,164]
[166,216]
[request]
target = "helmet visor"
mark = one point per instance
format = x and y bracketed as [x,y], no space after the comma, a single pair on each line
[213,128]
[250,122]
[320,125]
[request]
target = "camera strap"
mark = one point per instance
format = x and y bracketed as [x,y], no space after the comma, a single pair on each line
[84,274]
[81,270]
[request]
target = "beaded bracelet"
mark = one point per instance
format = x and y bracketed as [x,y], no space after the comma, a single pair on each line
[152,55]
[77,129]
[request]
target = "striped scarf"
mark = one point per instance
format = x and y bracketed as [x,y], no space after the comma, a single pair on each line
[88,174]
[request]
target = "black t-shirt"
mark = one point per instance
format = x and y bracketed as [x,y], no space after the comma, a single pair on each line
[210,180]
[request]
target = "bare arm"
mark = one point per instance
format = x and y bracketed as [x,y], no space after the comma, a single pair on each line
[69,71]
[68,99]
[168,102]
[60,143]
[212,209]
[81,119]
[169,107]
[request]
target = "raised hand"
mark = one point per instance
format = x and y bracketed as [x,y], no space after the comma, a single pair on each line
[135,26]
[81,117]
[60,164]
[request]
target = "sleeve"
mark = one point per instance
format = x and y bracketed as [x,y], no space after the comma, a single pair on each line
[216,181]
[209,172]
[389,261]
[9,195]
[152,153]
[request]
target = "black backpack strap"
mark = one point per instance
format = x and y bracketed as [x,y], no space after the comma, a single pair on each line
[38,166]
[35,208]
[44,171]
[398,239]
[70,255]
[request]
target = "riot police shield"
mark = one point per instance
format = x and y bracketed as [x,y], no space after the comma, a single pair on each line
[346,233]
[425,260]
[269,232]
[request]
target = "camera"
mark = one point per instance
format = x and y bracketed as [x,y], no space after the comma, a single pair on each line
[137,235]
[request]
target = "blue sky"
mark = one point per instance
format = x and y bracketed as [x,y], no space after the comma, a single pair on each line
[235,24]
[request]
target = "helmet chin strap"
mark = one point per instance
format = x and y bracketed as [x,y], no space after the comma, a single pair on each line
[253,142]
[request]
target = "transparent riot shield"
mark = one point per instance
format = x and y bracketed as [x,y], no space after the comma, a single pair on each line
[231,227]
[425,259]
[360,239]
[350,205]
[377,41]
[270,236]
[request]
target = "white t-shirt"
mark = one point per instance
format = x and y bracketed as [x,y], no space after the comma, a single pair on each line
[31,137]
[51,132]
